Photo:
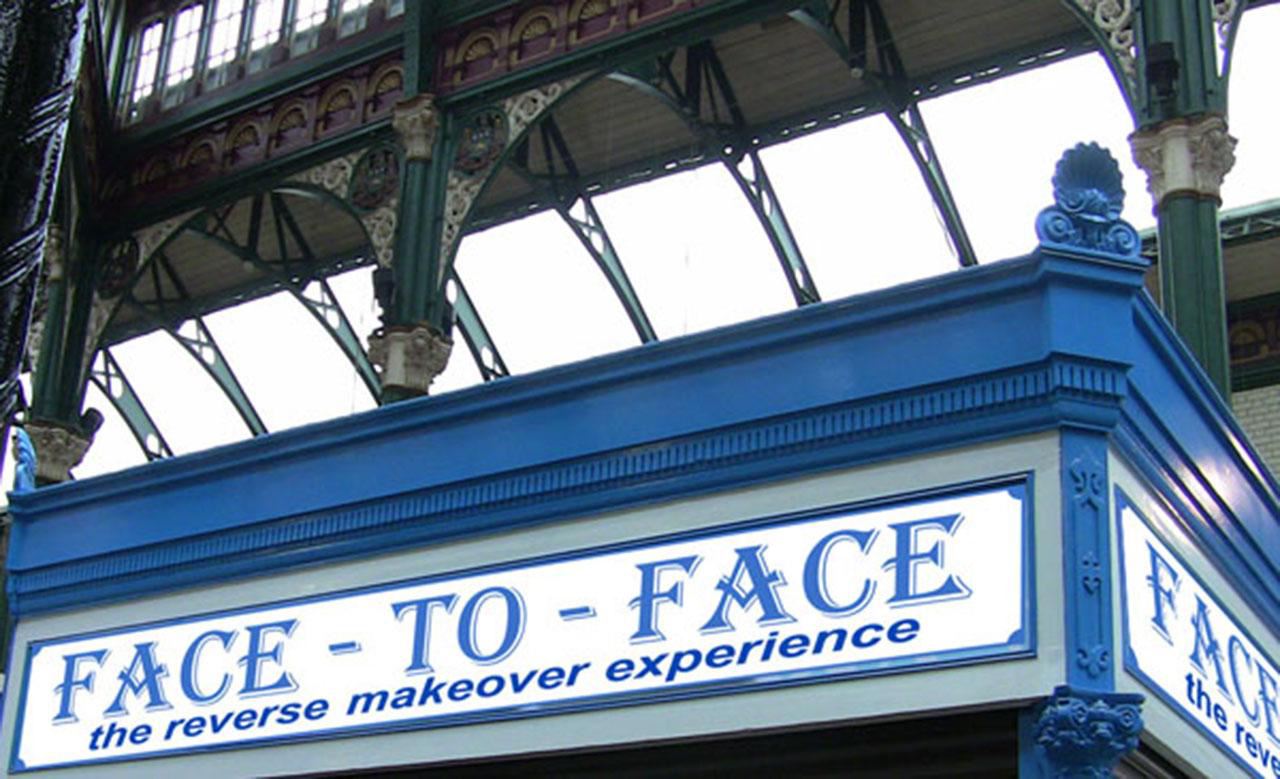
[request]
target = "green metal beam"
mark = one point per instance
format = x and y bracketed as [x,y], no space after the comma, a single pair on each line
[903,111]
[483,349]
[576,209]
[911,128]
[200,344]
[310,290]
[772,133]
[706,89]
[108,376]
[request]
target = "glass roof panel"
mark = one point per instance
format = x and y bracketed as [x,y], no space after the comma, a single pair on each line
[461,372]
[540,295]
[188,408]
[859,208]
[114,447]
[1255,113]
[695,252]
[288,364]
[999,142]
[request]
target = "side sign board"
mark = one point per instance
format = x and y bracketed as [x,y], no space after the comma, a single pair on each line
[897,585]
[1183,645]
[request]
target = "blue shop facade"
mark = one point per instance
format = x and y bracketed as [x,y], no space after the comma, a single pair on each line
[997,520]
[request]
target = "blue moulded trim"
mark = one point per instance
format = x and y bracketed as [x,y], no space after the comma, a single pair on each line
[1174,427]
[1086,556]
[981,408]
[1131,663]
[1021,643]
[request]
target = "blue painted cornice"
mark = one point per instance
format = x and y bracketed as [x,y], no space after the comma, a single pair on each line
[1049,340]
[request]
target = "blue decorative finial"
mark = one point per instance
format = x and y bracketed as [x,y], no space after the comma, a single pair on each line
[1089,192]
[24,472]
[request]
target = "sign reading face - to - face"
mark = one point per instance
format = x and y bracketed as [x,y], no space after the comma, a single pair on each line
[1184,645]
[915,583]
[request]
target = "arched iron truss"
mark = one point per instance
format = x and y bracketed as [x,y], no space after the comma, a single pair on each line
[690,81]
[301,271]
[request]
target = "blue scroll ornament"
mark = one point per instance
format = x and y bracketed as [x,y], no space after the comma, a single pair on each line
[1089,196]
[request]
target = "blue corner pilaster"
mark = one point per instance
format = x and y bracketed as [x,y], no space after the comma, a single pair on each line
[1086,552]
[1078,734]
[1084,223]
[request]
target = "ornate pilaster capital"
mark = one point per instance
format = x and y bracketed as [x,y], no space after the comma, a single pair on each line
[409,357]
[59,448]
[1082,734]
[415,122]
[1184,156]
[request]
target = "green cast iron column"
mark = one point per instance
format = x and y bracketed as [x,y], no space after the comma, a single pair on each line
[414,344]
[1192,290]
[1182,144]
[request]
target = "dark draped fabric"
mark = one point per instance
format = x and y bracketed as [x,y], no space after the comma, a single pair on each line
[40,47]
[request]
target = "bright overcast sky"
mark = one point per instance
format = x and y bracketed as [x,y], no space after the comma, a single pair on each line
[696,254]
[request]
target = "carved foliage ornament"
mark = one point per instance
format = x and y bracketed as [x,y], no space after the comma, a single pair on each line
[1089,195]
[1081,733]
[415,123]
[1114,20]
[1185,156]
[58,449]
[472,167]
[376,179]
[409,358]
[1224,15]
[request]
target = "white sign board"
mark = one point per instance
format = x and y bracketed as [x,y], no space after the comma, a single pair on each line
[1189,650]
[915,583]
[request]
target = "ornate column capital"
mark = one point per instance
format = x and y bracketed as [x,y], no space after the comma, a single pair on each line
[1082,734]
[415,121]
[409,357]
[1185,156]
[59,448]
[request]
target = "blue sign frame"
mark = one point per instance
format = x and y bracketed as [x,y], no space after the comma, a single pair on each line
[1021,644]
[1131,665]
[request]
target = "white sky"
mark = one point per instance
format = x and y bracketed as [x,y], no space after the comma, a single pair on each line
[696,254]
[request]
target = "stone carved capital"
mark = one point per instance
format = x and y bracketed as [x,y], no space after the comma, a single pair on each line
[409,357]
[415,122]
[58,450]
[1185,156]
[1084,733]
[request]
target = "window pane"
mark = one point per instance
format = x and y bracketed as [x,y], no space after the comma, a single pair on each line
[144,81]
[287,363]
[694,251]
[186,39]
[355,14]
[226,32]
[114,447]
[971,141]
[266,23]
[309,14]
[1255,113]
[543,299]
[183,401]
[859,208]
